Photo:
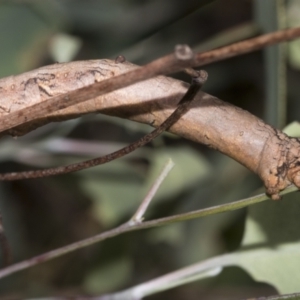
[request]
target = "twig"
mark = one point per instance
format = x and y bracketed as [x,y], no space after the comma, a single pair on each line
[198,79]
[295,296]
[138,216]
[211,267]
[139,226]
[207,268]
[162,66]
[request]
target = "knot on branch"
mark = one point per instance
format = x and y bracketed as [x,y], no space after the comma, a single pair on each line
[183,52]
[280,163]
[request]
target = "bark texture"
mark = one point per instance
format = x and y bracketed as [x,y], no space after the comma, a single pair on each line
[231,130]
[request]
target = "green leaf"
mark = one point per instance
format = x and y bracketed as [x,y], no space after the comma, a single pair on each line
[270,250]
[293,129]
[64,47]
[23,46]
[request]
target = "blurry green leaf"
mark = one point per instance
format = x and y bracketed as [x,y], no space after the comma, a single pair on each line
[23,46]
[272,243]
[293,129]
[278,221]
[278,266]
[294,54]
[64,47]
[293,20]
[109,277]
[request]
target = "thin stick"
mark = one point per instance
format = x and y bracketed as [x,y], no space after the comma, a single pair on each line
[139,226]
[181,109]
[138,216]
[162,66]
[294,296]
[211,267]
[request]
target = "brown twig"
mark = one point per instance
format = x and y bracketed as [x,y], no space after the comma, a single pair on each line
[198,79]
[165,65]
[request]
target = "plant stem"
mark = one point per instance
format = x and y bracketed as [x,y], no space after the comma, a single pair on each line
[145,225]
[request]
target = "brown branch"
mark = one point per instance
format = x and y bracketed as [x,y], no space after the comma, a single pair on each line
[231,130]
[165,65]
[198,79]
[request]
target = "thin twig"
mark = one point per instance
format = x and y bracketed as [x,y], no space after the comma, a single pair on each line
[138,216]
[145,225]
[199,78]
[162,66]
[207,268]
[211,267]
[294,296]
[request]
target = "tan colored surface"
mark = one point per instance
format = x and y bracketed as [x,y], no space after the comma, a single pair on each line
[219,125]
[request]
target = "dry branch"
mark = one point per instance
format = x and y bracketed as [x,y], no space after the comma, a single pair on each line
[198,79]
[27,99]
[22,92]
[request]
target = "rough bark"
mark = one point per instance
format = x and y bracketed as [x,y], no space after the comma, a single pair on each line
[231,130]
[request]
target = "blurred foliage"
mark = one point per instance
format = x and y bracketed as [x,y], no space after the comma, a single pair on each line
[270,247]
[43,214]
[273,240]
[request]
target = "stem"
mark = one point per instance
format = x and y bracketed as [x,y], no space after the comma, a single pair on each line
[198,79]
[162,66]
[138,216]
[174,279]
[125,228]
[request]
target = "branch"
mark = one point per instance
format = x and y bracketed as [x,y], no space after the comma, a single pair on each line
[294,296]
[133,227]
[198,79]
[73,93]
[261,148]
[139,214]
